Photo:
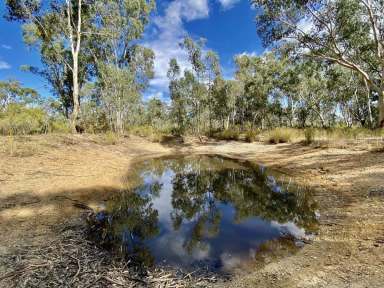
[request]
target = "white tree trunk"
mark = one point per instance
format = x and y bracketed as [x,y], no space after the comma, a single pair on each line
[76,102]
[75,40]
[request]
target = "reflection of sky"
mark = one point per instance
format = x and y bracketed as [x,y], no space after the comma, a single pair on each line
[169,244]
[163,204]
[234,242]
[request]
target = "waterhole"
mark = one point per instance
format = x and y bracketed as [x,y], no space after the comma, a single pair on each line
[204,211]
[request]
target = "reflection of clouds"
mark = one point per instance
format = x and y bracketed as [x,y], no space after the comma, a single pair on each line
[290,228]
[163,204]
[200,209]
[172,243]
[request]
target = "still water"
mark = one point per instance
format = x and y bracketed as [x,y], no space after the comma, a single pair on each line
[202,211]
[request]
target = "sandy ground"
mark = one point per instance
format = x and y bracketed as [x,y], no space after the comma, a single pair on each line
[38,173]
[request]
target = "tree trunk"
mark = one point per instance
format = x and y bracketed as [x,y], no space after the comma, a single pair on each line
[75,39]
[227,122]
[370,118]
[380,106]
[76,103]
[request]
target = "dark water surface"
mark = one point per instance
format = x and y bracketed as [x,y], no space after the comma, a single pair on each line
[203,211]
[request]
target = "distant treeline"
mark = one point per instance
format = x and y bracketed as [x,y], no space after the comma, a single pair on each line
[324,69]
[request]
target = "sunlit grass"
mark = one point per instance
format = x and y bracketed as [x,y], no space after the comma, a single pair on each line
[281,135]
[150,133]
[228,134]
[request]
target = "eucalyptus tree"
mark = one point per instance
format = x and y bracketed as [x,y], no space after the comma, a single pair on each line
[257,75]
[13,92]
[349,33]
[156,113]
[212,72]
[178,101]
[353,96]
[226,97]
[123,67]
[56,27]
[199,93]
[313,93]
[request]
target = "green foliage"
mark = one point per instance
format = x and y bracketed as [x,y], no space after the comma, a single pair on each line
[59,125]
[335,32]
[18,119]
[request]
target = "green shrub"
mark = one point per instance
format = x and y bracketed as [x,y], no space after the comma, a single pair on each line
[59,125]
[280,135]
[19,119]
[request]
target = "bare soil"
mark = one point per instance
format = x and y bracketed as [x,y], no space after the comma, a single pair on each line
[40,174]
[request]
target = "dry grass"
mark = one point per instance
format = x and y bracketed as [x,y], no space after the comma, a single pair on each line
[228,134]
[281,135]
[150,133]
[326,138]
[110,138]
[251,136]
[72,261]
[20,146]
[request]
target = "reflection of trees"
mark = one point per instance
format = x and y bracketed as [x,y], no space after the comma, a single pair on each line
[131,221]
[199,186]
[193,199]
[197,193]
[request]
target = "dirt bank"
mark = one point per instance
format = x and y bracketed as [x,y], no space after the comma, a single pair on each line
[38,174]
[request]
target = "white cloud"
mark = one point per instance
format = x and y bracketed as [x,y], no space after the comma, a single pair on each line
[4,65]
[4,46]
[227,4]
[168,32]
[306,25]
[249,54]
[157,95]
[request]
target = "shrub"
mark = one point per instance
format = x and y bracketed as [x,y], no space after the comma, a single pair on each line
[228,134]
[152,134]
[59,125]
[251,136]
[309,135]
[280,135]
[142,131]
[19,119]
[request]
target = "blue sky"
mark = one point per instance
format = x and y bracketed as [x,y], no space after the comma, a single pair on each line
[227,25]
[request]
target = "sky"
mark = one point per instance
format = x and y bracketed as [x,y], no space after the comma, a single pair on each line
[227,25]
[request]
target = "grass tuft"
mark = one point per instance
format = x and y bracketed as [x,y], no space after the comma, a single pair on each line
[310,135]
[281,135]
[251,135]
[111,138]
[228,134]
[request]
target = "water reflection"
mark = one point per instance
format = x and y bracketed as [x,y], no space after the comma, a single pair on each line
[202,211]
